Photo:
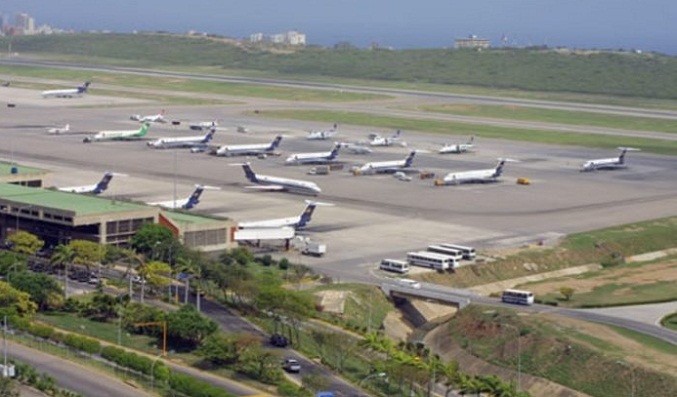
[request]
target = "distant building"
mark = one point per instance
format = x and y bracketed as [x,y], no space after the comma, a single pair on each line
[472,41]
[292,38]
[25,24]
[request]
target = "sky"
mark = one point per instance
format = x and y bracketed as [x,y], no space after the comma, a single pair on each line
[647,25]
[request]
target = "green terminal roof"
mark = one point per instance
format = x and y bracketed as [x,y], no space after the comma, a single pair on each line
[182,217]
[80,204]
[6,169]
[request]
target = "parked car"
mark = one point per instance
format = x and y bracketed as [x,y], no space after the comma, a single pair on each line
[291,365]
[279,340]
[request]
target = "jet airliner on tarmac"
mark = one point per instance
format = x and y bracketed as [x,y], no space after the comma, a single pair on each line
[66,93]
[479,176]
[199,141]
[97,188]
[156,118]
[378,140]
[274,183]
[249,149]
[608,164]
[297,222]
[314,158]
[457,148]
[185,203]
[128,135]
[382,167]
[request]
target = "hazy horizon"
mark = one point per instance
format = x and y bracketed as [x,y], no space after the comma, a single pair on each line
[601,24]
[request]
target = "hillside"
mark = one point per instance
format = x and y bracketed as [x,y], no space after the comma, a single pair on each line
[608,73]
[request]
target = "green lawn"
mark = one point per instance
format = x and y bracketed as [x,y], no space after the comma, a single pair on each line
[557,116]
[465,129]
[670,321]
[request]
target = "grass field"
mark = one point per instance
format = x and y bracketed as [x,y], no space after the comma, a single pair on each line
[670,321]
[585,357]
[465,129]
[187,85]
[557,116]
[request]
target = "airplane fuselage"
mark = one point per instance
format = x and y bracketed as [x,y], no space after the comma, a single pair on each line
[290,185]
[271,223]
[599,164]
[309,158]
[180,142]
[479,176]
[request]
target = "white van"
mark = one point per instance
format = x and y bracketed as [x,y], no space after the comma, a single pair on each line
[409,283]
[393,265]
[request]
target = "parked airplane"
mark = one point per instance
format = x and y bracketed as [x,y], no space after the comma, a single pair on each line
[355,148]
[608,164]
[199,141]
[297,222]
[314,158]
[249,149]
[457,148]
[185,203]
[67,93]
[97,188]
[323,134]
[59,130]
[273,183]
[381,167]
[201,125]
[157,118]
[479,176]
[378,140]
[128,135]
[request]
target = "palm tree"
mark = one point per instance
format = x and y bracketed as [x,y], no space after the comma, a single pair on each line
[450,374]
[186,265]
[63,256]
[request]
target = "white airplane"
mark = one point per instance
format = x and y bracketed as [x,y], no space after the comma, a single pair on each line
[274,183]
[378,140]
[59,130]
[97,188]
[382,167]
[457,148]
[297,222]
[313,158]
[128,135]
[608,164]
[67,93]
[185,203]
[322,134]
[193,142]
[249,149]
[401,176]
[202,125]
[355,148]
[157,118]
[479,176]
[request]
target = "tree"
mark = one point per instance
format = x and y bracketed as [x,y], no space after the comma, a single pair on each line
[150,237]
[87,253]
[14,301]
[104,307]
[25,243]
[567,292]
[315,382]
[187,328]
[450,375]
[157,274]
[261,363]
[8,387]
[194,270]
[224,349]
[42,288]
[11,262]
[63,255]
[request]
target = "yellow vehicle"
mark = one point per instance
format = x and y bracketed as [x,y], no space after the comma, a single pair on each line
[523,181]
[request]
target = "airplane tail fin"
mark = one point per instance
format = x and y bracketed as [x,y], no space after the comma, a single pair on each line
[624,151]
[499,168]
[209,136]
[103,183]
[306,214]
[144,129]
[335,151]
[194,198]
[249,173]
[83,88]
[471,140]
[397,134]
[410,159]
[275,143]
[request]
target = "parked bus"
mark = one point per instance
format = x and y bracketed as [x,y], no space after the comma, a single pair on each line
[518,297]
[468,252]
[431,259]
[454,253]
[393,265]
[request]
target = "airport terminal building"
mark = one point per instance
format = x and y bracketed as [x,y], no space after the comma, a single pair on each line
[59,217]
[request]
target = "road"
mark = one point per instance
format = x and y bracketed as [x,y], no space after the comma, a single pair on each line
[72,376]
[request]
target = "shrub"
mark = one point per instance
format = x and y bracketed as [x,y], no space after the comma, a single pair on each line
[41,331]
[195,388]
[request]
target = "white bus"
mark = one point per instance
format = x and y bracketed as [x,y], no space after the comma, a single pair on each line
[518,297]
[454,253]
[468,252]
[431,259]
[393,265]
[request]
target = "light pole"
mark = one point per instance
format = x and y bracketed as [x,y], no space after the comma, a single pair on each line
[152,370]
[519,356]
[632,374]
